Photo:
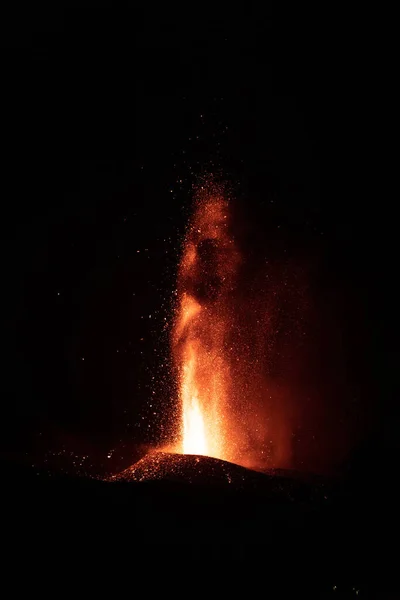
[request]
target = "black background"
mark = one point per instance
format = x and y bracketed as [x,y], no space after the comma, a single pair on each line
[108,118]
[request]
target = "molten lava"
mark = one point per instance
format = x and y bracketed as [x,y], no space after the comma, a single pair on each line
[236,332]
[200,334]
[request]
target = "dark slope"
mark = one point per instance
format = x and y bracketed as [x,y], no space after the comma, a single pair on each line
[206,472]
[205,518]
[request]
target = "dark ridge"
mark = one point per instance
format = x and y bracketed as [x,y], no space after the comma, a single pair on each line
[183,510]
[212,473]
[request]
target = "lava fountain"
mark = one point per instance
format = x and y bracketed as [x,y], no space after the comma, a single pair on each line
[200,336]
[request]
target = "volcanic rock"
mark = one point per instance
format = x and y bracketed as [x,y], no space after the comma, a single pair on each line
[210,472]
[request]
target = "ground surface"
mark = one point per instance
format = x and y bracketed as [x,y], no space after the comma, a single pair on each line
[202,515]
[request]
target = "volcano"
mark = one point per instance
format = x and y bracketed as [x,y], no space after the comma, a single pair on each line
[189,468]
[211,473]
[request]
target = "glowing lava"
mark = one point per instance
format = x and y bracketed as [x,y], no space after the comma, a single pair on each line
[202,323]
[194,435]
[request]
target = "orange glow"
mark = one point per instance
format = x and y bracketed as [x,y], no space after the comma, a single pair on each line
[194,434]
[202,322]
[224,343]
[188,310]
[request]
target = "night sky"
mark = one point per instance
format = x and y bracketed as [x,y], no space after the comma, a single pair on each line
[109,120]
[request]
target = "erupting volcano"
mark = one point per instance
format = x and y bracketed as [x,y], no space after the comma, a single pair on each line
[230,402]
[200,335]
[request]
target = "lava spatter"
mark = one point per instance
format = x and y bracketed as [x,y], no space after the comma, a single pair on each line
[202,322]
